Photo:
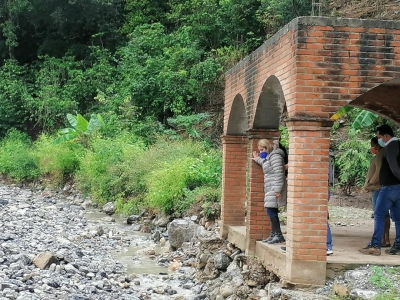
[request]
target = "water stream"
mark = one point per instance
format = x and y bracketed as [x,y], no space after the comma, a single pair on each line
[136,261]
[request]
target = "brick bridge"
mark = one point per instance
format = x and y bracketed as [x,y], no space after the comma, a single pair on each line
[303,74]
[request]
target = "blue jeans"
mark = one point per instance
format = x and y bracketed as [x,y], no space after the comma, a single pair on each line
[388,199]
[329,245]
[374,197]
[272,212]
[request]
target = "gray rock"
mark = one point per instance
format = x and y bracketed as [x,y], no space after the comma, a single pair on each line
[180,231]
[136,227]
[156,236]
[221,261]
[226,290]
[363,294]
[132,219]
[162,221]
[109,208]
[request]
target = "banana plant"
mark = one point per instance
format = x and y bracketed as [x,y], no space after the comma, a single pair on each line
[80,128]
[364,118]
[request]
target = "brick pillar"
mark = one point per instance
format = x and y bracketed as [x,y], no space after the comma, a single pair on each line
[257,226]
[233,182]
[307,201]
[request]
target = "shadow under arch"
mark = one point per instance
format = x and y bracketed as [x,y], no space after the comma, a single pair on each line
[383,99]
[270,105]
[237,122]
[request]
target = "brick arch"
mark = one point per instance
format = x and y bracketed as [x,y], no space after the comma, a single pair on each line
[322,64]
[382,99]
[237,122]
[270,105]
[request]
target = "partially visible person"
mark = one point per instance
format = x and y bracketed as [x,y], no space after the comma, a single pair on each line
[286,157]
[329,243]
[271,158]
[372,184]
[389,194]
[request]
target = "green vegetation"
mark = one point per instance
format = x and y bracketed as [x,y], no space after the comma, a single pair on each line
[125,97]
[384,282]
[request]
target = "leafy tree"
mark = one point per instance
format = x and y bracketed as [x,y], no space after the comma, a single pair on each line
[164,73]
[14,92]
[140,12]
[273,14]
[353,160]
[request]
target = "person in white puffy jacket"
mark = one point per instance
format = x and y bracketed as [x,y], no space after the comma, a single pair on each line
[271,159]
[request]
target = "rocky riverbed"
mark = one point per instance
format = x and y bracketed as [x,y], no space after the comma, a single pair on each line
[55,245]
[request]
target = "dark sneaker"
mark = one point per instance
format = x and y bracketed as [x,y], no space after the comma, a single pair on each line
[371,250]
[393,251]
[277,239]
[283,249]
[270,238]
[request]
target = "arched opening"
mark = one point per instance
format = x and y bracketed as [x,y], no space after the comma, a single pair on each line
[383,100]
[270,105]
[237,123]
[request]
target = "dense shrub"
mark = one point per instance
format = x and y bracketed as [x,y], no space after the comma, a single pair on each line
[17,161]
[103,169]
[57,162]
[353,160]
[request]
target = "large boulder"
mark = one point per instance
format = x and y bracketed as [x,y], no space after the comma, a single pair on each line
[180,231]
[221,261]
[109,208]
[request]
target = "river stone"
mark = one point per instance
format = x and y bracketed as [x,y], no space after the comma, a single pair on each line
[180,231]
[363,294]
[162,221]
[221,261]
[156,236]
[109,208]
[132,219]
[44,260]
[226,290]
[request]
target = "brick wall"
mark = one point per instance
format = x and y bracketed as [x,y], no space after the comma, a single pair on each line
[321,64]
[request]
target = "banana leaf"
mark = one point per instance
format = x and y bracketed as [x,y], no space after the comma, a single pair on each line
[341,112]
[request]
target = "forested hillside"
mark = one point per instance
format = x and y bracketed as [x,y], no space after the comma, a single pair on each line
[124,98]
[135,59]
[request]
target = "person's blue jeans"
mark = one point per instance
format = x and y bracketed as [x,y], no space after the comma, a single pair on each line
[374,197]
[388,199]
[272,212]
[329,245]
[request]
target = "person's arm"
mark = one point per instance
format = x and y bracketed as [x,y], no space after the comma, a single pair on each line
[257,158]
[374,169]
[392,152]
[277,164]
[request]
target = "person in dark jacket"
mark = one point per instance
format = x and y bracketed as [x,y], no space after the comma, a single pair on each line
[271,159]
[389,194]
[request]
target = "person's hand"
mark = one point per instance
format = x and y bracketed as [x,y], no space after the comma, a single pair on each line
[255,154]
[278,195]
[286,166]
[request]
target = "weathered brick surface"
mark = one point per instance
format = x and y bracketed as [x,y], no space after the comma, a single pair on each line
[233,181]
[309,70]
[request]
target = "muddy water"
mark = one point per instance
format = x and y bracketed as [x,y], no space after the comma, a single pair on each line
[132,256]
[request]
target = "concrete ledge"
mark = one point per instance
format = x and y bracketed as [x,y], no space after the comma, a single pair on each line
[237,236]
[312,273]
[272,258]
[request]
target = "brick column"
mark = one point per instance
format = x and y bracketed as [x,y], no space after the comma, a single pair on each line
[258,225]
[233,182]
[307,201]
